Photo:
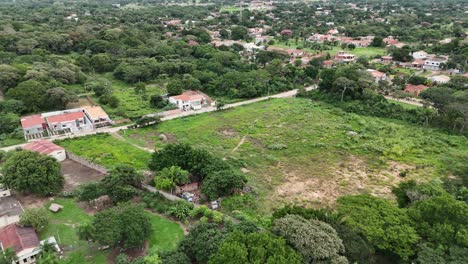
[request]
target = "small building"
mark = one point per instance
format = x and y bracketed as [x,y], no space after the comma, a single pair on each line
[22,240]
[386,59]
[191,100]
[378,76]
[434,63]
[419,55]
[47,148]
[327,63]
[440,79]
[97,116]
[33,125]
[419,63]
[414,90]
[68,122]
[344,57]
[10,209]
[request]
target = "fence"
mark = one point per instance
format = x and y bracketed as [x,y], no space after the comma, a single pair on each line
[86,162]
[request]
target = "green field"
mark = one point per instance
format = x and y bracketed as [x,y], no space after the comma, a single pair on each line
[107,151]
[295,150]
[63,226]
[166,234]
[368,51]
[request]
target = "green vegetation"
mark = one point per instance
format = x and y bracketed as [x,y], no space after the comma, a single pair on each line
[319,150]
[107,151]
[165,234]
[63,226]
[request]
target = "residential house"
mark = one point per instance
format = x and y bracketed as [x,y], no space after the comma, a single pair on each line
[68,121]
[419,63]
[97,116]
[191,100]
[333,32]
[344,57]
[386,59]
[327,63]
[377,75]
[47,148]
[390,40]
[434,63]
[414,90]
[10,208]
[33,126]
[420,55]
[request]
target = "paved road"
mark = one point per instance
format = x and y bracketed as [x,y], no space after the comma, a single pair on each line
[287,94]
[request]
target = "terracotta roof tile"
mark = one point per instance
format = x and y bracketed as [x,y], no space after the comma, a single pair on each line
[65,117]
[31,121]
[18,238]
[42,146]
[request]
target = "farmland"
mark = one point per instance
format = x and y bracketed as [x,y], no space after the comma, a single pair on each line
[295,150]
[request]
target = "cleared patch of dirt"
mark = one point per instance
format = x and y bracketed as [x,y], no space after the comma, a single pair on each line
[132,253]
[167,137]
[351,176]
[255,142]
[31,200]
[228,132]
[76,174]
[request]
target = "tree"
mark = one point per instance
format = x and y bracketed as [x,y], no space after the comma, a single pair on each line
[99,88]
[202,241]
[30,93]
[175,87]
[9,77]
[344,84]
[157,101]
[220,104]
[239,33]
[102,62]
[8,122]
[109,99]
[28,171]
[222,183]
[36,218]
[315,240]
[259,247]
[7,256]
[417,80]
[377,42]
[121,182]
[169,178]
[383,224]
[58,98]
[125,225]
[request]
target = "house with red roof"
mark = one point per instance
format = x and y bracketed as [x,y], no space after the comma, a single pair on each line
[33,124]
[377,75]
[47,148]
[22,240]
[191,100]
[414,90]
[73,120]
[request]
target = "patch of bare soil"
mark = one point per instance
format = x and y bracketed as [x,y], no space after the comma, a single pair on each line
[132,253]
[76,174]
[31,200]
[255,142]
[228,132]
[167,137]
[351,176]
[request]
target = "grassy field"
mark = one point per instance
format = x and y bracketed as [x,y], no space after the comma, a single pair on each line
[369,51]
[63,227]
[166,234]
[107,151]
[295,150]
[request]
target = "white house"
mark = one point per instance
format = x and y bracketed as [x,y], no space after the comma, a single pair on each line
[378,76]
[440,79]
[344,57]
[191,100]
[97,116]
[434,63]
[419,55]
[33,125]
[47,148]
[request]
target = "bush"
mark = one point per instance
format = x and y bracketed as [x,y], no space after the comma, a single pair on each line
[180,209]
[37,218]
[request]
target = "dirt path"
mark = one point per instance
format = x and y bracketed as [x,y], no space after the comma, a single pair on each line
[237,147]
[119,137]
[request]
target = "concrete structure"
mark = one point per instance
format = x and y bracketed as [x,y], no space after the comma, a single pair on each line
[97,116]
[4,191]
[386,59]
[10,210]
[434,63]
[68,121]
[378,76]
[33,125]
[420,55]
[440,79]
[47,148]
[191,100]
[344,57]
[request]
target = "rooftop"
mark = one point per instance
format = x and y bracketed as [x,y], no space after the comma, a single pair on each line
[32,120]
[18,238]
[96,112]
[42,147]
[65,117]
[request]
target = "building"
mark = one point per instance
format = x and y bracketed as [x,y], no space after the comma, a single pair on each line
[420,55]
[33,126]
[191,100]
[414,90]
[344,57]
[65,121]
[434,63]
[97,116]
[4,191]
[386,59]
[10,208]
[327,63]
[22,240]
[378,76]
[440,79]
[47,148]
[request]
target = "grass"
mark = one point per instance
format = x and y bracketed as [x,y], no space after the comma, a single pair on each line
[405,105]
[165,234]
[107,151]
[319,154]
[63,227]
[368,51]
[230,9]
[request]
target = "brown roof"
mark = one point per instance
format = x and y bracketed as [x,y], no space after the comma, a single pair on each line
[66,117]
[42,146]
[18,238]
[33,120]
[96,112]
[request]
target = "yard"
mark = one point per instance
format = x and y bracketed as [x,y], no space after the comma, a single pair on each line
[63,226]
[295,150]
[107,151]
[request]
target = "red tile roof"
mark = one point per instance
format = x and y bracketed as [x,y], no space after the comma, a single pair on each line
[42,146]
[191,96]
[66,117]
[18,238]
[377,74]
[31,121]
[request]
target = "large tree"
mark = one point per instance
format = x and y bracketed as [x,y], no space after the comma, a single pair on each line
[124,225]
[315,240]
[27,171]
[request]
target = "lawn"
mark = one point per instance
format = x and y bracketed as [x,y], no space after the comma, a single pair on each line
[368,51]
[405,105]
[165,234]
[295,150]
[63,226]
[107,151]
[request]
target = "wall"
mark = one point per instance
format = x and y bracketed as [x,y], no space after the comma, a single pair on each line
[86,162]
